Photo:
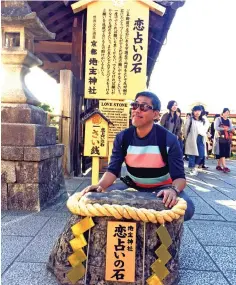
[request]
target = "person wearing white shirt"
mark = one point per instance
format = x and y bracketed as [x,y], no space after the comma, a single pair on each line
[195,130]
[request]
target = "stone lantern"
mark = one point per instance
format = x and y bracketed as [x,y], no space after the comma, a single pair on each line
[31,159]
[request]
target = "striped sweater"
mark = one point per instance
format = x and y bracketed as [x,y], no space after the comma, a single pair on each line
[144,162]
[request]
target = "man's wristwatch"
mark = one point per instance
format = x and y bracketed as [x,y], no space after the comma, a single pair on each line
[173,187]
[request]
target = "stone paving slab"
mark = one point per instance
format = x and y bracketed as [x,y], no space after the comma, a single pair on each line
[229,192]
[28,225]
[223,256]
[231,276]
[28,274]
[51,213]
[201,207]
[215,182]
[190,192]
[193,255]
[72,184]
[11,247]
[207,217]
[220,203]
[195,277]
[211,235]
[39,248]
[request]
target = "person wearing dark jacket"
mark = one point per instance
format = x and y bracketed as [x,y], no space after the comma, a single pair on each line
[147,170]
[170,120]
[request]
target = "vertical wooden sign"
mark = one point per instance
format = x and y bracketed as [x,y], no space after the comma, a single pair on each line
[120,254]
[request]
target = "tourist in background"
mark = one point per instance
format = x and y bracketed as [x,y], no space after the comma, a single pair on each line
[188,116]
[212,133]
[212,128]
[204,116]
[180,137]
[170,120]
[195,130]
[222,140]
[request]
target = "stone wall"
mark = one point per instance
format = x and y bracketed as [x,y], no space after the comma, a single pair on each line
[31,160]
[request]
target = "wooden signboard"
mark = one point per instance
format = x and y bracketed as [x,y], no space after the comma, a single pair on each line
[96,137]
[116,49]
[118,113]
[121,249]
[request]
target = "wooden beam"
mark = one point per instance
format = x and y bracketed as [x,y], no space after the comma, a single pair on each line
[81,5]
[57,65]
[61,35]
[66,90]
[77,57]
[63,24]
[49,8]
[156,8]
[53,47]
[57,16]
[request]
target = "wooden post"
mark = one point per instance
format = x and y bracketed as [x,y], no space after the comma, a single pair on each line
[66,94]
[95,170]
[77,60]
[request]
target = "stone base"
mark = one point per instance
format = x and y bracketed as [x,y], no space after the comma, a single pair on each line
[23,114]
[14,153]
[59,265]
[3,196]
[30,197]
[29,185]
[27,135]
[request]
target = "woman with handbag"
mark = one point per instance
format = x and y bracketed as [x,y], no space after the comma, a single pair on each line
[222,140]
[195,130]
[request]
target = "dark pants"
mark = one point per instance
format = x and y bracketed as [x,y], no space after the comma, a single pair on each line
[190,206]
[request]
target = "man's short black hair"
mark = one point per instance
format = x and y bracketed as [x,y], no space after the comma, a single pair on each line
[155,100]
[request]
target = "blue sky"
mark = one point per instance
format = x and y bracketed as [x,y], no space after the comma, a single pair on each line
[198,61]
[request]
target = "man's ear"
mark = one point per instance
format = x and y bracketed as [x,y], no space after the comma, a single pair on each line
[156,115]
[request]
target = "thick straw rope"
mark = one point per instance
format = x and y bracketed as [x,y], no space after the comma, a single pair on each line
[77,206]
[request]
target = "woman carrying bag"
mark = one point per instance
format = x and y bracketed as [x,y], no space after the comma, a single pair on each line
[195,130]
[223,139]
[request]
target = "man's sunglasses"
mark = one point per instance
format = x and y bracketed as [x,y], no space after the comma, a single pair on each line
[142,107]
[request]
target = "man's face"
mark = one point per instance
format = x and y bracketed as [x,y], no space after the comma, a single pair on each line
[142,118]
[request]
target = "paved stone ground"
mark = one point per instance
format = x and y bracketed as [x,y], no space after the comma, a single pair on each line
[208,249]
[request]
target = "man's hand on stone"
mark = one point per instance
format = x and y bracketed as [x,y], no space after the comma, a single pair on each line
[169,197]
[92,188]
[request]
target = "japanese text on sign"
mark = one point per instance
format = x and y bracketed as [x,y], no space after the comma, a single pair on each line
[118,113]
[116,69]
[120,255]
[96,136]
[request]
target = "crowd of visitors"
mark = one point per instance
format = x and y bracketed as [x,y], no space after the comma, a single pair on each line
[198,138]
